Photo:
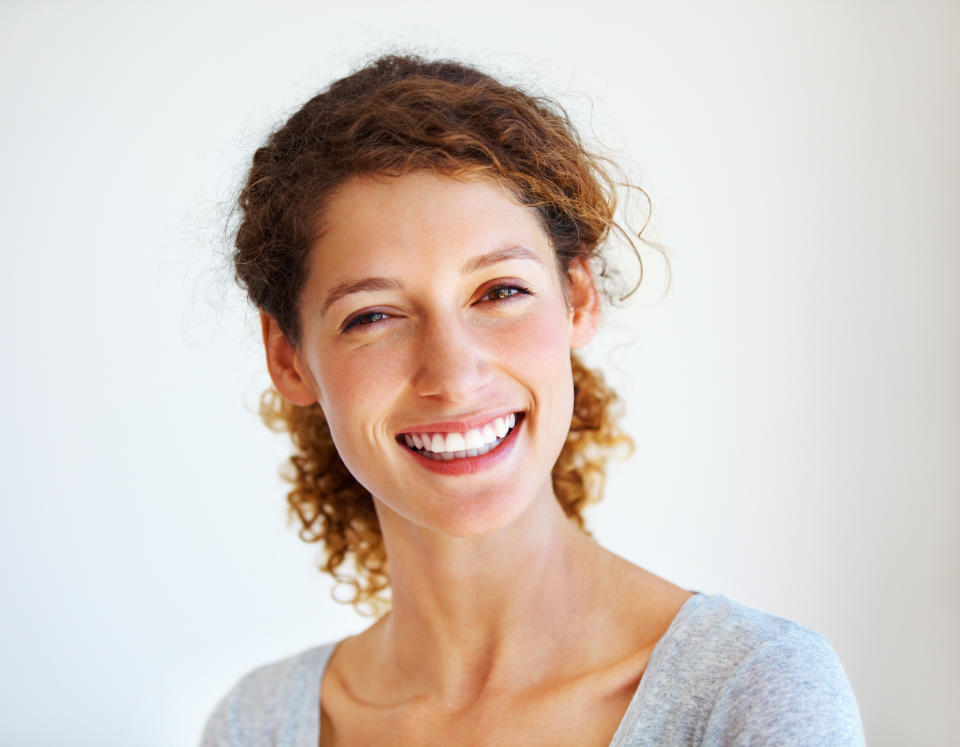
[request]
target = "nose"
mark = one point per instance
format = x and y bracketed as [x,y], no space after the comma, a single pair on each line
[452,362]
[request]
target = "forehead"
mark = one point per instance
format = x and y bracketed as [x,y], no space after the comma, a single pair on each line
[419,219]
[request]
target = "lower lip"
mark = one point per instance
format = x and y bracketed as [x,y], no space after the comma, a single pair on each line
[469,465]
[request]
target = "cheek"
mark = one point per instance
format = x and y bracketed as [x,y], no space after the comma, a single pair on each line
[356,378]
[537,352]
[353,397]
[356,391]
[540,342]
[542,361]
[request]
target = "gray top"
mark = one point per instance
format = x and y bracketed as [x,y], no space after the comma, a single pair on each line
[722,674]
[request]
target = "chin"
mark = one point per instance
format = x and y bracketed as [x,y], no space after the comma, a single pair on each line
[479,514]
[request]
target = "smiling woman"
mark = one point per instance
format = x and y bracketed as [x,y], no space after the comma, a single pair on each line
[421,242]
[434,306]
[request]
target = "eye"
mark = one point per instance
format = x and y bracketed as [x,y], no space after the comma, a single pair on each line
[505,291]
[364,319]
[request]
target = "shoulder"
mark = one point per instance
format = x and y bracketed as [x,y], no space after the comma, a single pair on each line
[728,674]
[276,704]
[790,689]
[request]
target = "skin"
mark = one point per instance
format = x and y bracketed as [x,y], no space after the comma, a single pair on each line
[500,604]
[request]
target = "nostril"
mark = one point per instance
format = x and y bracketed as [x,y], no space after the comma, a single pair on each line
[453,381]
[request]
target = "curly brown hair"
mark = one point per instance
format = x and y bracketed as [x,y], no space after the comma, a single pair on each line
[396,116]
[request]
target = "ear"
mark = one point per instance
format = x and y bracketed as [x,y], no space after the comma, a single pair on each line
[286,368]
[584,303]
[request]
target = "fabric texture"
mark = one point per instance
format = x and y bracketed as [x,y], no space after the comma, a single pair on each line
[722,674]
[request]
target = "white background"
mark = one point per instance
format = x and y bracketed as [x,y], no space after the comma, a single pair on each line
[795,399]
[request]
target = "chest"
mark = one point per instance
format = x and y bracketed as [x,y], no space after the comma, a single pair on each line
[580,715]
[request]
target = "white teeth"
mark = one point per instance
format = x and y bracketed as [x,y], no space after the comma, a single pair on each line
[455,442]
[475,442]
[473,439]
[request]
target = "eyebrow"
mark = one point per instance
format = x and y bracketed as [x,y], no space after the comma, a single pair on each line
[358,286]
[500,255]
[472,265]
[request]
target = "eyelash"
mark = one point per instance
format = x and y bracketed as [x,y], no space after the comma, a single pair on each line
[357,321]
[513,289]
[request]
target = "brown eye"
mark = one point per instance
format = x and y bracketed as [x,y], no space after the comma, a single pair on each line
[503,292]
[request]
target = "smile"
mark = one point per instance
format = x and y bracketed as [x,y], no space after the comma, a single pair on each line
[475,442]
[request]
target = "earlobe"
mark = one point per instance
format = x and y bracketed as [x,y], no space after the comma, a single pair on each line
[584,303]
[285,365]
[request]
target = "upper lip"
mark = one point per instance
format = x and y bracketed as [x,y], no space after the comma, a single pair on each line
[460,425]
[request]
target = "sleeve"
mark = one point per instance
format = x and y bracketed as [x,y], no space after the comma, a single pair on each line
[254,712]
[791,690]
[242,717]
[217,732]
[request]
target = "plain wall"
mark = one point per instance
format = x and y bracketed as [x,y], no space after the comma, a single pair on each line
[794,399]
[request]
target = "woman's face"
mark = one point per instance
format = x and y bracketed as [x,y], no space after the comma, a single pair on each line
[433,319]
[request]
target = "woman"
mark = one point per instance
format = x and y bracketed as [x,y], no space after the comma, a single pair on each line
[421,243]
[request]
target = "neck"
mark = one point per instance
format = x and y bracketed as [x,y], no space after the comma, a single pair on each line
[488,613]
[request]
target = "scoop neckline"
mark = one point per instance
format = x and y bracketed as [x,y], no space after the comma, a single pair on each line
[630,716]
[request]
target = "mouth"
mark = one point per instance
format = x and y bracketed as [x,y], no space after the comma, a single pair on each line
[476,442]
